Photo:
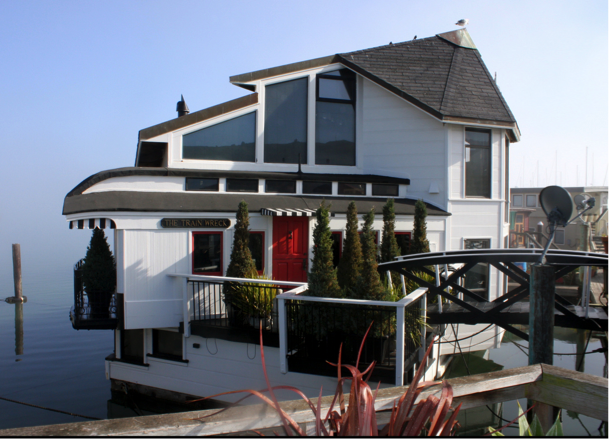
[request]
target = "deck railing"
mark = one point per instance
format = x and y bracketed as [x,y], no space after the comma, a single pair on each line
[308,330]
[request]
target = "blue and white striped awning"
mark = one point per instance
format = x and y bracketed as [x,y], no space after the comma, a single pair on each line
[288,212]
[92,223]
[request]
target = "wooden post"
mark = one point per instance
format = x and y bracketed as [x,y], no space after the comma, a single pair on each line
[18,328]
[17,271]
[541,329]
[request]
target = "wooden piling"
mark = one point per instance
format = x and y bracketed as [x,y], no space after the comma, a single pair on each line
[17,271]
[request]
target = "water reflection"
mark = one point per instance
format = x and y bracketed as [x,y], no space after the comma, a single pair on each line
[18,330]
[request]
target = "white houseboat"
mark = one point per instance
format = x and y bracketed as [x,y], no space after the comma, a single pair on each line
[422,119]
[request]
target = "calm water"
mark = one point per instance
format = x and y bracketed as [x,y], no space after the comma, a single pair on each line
[63,369]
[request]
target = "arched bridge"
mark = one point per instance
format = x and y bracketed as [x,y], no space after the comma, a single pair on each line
[508,309]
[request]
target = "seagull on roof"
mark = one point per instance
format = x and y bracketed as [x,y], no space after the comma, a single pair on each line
[462,22]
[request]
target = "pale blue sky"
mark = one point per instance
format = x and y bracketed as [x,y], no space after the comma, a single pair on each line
[80,78]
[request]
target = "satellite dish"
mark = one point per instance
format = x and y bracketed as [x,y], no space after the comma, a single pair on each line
[557,204]
[581,201]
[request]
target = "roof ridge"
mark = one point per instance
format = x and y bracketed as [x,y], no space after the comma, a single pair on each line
[448,78]
[402,43]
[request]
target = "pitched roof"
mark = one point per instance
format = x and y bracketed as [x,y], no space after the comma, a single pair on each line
[443,75]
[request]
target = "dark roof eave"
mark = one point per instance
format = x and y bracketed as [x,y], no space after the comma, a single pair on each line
[198,116]
[132,201]
[178,172]
[244,78]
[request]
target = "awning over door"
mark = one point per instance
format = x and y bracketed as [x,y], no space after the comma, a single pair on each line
[288,212]
[92,223]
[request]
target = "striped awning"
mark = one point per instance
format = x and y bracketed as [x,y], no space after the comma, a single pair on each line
[288,212]
[92,223]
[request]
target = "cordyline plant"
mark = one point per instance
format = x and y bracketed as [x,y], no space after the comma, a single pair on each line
[429,416]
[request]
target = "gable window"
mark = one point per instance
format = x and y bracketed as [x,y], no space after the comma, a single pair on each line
[207,253]
[335,118]
[531,200]
[256,246]
[517,200]
[233,140]
[285,124]
[477,163]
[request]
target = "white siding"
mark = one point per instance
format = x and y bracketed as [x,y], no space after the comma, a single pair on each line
[145,183]
[400,140]
[152,299]
[456,142]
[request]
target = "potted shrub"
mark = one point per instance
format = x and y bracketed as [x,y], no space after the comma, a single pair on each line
[255,301]
[99,274]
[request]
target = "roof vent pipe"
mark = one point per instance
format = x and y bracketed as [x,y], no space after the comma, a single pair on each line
[182,108]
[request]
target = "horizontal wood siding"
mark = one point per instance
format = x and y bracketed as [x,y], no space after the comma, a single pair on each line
[221,366]
[152,299]
[400,140]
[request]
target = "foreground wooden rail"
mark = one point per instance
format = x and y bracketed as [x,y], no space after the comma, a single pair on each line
[575,391]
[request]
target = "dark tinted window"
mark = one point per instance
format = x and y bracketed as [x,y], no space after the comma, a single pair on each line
[207,253]
[403,239]
[232,140]
[202,184]
[317,187]
[285,125]
[385,190]
[337,247]
[335,119]
[281,186]
[241,185]
[477,163]
[351,188]
[256,247]
[132,345]
[167,344]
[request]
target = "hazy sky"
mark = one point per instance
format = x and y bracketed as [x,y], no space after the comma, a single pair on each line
[80,78]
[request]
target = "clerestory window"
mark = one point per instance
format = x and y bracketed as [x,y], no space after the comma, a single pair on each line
[233,140]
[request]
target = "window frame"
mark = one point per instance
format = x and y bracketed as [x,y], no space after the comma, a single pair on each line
[226,183]
[526,201]
[490,162]
[514,200]
[217,189]
[164,356]
[192,259]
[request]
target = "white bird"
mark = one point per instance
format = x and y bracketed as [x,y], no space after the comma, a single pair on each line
[462,22]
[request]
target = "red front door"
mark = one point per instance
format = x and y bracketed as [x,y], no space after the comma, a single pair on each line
[290,248]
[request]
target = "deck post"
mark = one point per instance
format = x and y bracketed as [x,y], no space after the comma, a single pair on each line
[283,334]
[399,343]
[185,305]
[541,329]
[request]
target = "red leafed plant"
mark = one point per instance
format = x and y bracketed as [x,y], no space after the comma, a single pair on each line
[428,417]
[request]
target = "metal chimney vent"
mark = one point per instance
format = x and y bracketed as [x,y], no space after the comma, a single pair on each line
[182,108]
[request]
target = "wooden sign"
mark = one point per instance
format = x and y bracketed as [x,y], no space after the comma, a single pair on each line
[180,223]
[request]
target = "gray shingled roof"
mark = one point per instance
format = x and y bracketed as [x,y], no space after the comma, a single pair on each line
[443,78]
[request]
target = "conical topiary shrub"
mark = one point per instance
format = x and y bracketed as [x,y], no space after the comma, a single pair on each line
[389,244]
[350,265]
[370,286]
[419,244]
[322,278]
[99,273]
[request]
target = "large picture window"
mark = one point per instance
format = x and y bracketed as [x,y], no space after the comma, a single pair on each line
[477,163]
[207,253]
[285,124]
[335,118]
[233,140]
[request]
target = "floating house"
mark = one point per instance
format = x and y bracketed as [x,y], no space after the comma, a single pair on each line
[421,119]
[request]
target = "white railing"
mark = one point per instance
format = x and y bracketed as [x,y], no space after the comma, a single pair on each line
[296,294]
[400,307]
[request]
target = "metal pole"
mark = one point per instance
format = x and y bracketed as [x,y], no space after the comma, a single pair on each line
[541,328]
[17,271]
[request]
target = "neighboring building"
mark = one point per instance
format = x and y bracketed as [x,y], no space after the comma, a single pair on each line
[421,119]
[528,220]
